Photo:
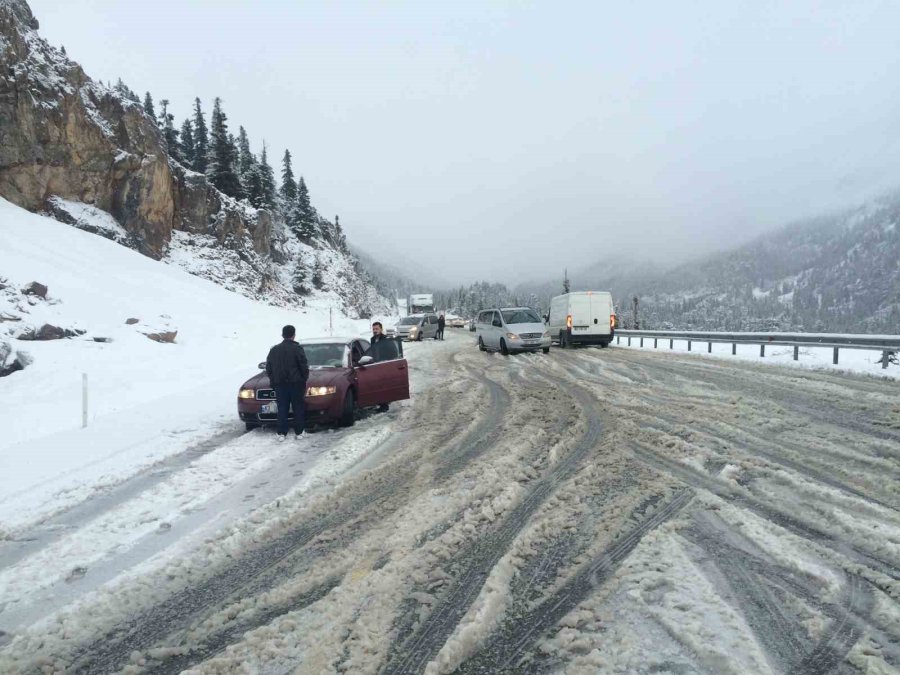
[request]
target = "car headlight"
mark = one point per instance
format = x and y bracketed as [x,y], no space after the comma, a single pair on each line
[247,393]
[512,336]
[413,329]
[320,391]
[546,333]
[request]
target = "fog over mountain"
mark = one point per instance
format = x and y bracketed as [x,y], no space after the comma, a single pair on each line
[506,141]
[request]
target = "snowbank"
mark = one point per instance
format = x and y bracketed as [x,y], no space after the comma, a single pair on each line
[146,399]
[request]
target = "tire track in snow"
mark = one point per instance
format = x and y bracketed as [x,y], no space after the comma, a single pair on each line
[504,651]
[476,559]
[56,526]
[768,512]
[379,495]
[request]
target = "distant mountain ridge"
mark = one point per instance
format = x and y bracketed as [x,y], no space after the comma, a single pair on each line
[838,272]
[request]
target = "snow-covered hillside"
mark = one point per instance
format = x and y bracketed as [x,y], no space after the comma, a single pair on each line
[147,399]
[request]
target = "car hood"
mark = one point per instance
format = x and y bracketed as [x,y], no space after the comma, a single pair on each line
[527,328]
[318,377]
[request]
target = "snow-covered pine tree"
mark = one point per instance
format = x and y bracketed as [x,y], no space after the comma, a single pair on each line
[170,135]
[288,184]
[299,278]
[201,139]
[245,156]
[123,91]
[308,225]
[318,275]
[253,187]
[221,164]
[186,143]
[268,181]
[148,106]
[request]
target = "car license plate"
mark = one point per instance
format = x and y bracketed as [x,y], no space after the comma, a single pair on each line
[532,342]
[581,327]
[269,408]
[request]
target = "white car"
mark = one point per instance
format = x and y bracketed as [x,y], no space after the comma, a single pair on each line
[511,329]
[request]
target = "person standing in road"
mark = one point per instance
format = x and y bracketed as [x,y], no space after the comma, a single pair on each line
[441,323]
[377,336]
[288,371]
[377,333]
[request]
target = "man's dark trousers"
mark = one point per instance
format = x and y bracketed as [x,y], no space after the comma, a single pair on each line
[293,395]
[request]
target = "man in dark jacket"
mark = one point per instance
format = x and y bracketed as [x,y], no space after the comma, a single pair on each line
[288,371]
[441,323]
[377,333]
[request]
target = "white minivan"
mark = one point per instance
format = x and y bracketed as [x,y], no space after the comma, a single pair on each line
[584,318]
[511,329]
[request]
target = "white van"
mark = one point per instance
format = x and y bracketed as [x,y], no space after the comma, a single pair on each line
[584,318]
[511,329]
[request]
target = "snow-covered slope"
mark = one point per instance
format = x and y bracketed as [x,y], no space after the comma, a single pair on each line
[146,399]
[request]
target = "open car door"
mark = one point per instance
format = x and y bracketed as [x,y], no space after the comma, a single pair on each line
[384,379]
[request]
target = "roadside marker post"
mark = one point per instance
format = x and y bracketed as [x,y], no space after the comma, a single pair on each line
[84,400]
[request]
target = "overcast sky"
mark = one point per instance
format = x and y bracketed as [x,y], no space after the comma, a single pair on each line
[507,140]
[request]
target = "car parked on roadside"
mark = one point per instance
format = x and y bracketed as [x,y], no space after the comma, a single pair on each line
[457,322]
[345,376]
[511,329]
[416,327]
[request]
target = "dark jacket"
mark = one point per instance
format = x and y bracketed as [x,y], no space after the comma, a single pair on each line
[377,338]
[441,322]
[286,364]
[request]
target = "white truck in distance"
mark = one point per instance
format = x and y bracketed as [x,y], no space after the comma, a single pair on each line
[420,303]
[585,318]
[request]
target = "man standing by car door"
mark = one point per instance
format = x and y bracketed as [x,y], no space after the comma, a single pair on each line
[288,371]
[441,323]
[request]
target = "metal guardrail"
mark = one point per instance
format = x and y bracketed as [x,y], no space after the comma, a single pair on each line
[888,345]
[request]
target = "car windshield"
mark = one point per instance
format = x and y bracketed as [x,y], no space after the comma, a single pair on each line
[410,320]
[511,316]
[327,355]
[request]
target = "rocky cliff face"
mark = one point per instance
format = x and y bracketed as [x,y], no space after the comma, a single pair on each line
[62,134]
[67,141]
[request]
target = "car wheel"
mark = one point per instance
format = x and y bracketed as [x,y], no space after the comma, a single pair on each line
[546,350]
[250,426]
[503,349]
[481,344]
[419,338]
[603,345]
[348,414]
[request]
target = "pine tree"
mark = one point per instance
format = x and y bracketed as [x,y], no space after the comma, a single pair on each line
[170,135]
[318,276]
[245,157]
[299,278]
[253,187]
[307,221]
[148,106]
[201,140]
[288,184]
[187,144]
[221,166]
[122,89]
[268,181]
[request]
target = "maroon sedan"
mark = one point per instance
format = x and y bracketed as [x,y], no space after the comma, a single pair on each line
[344,375]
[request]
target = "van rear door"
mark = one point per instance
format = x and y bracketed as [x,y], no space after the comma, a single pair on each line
[582,316]
[601,308]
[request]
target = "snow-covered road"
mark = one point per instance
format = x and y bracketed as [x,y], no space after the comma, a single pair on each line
[586,511]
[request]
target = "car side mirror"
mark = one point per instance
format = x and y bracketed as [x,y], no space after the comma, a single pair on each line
[364,361]
[262,365]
